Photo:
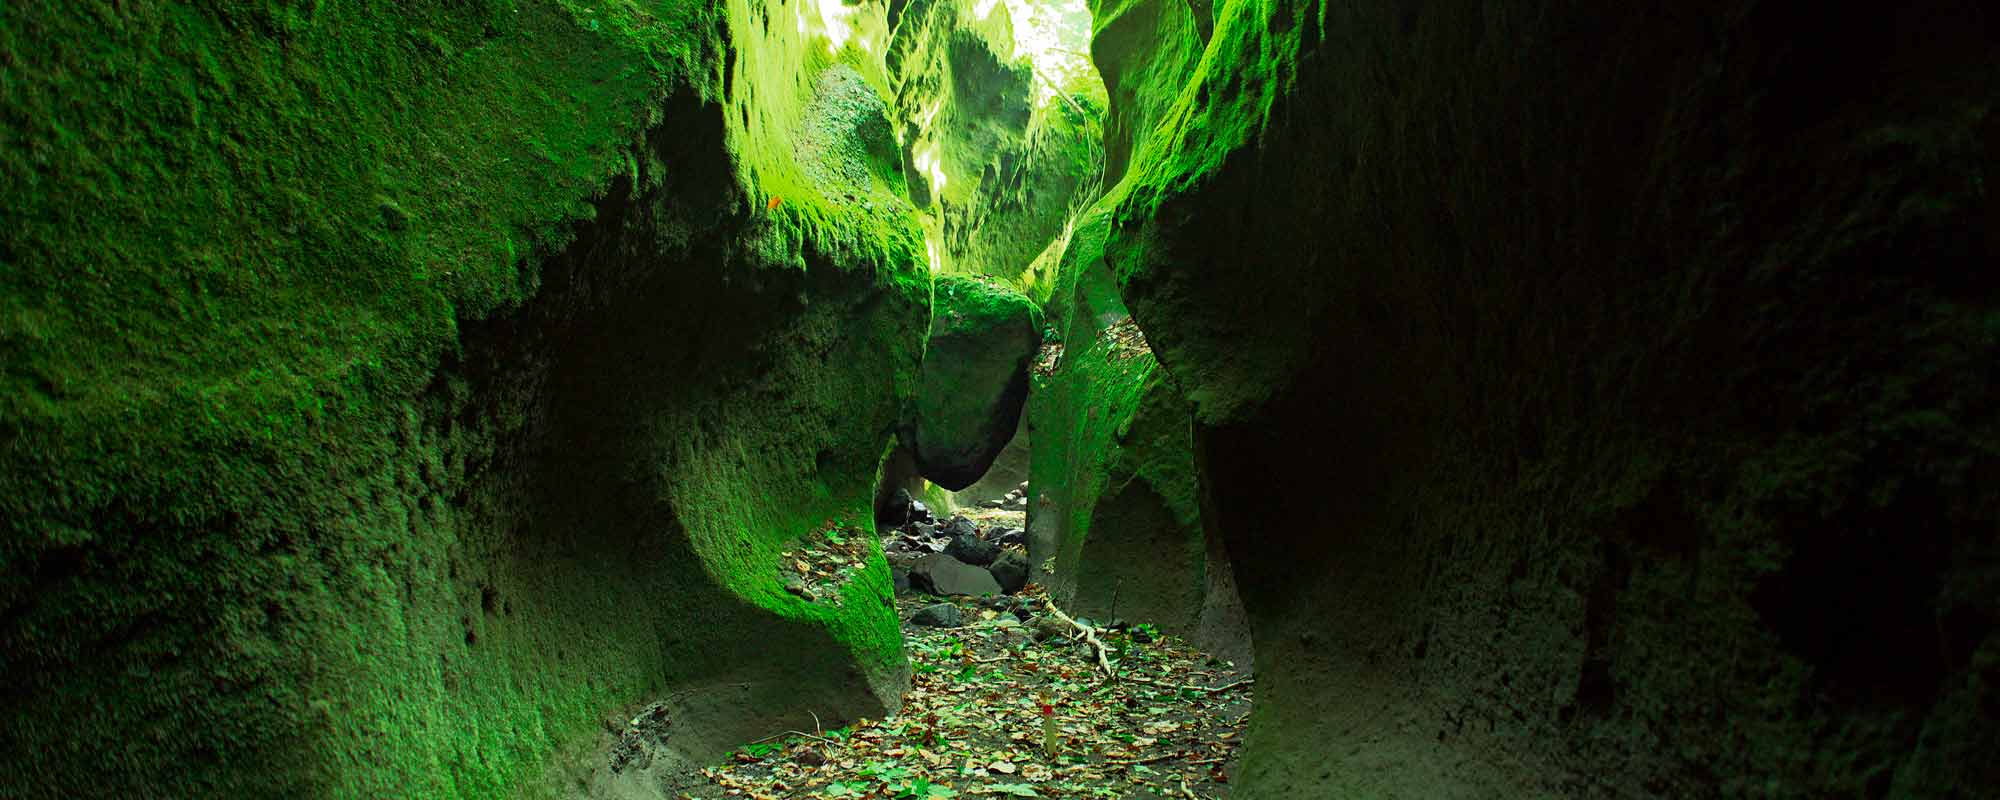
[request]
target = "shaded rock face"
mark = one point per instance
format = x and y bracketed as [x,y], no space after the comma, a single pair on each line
[974,379]
[449,476]
[1613,408]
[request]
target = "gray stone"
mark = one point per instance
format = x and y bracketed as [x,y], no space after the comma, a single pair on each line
[943,575]
[972,550]
[941,615]
[1010,570]
[959,526]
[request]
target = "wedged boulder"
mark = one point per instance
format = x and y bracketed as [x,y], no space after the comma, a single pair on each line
[943,575]
[974,379]
[1003,476]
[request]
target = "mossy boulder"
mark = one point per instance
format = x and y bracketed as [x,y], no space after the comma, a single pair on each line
[396,394]
[1591,404]
[974,379]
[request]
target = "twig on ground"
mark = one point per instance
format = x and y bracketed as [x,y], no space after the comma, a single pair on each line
[1126,762]
[1187,791]
[800,734]
[1190,687]
[1103,662]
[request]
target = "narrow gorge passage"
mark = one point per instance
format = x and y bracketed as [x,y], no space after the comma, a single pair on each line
[908,399]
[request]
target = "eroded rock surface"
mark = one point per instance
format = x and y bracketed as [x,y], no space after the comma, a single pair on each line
[1117,521]
[1591,403]
[479,386]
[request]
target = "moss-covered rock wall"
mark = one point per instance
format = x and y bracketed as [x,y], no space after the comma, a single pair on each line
[1594,401]
[997,146]
[1114,515]
[392,388]
[1114,520]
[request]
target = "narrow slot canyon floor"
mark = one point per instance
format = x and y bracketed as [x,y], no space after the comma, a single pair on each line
[1164,724]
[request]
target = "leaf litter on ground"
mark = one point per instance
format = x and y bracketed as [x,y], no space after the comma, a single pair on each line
[987,699]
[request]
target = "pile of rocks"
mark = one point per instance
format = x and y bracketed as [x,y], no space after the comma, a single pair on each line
[952,557]
[1016,500]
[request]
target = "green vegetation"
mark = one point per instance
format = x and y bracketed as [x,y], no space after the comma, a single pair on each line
[1582,422]
[341,454]
[999,147]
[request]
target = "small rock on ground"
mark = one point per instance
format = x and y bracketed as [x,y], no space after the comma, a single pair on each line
[943,575]
[941,615]
[972,550]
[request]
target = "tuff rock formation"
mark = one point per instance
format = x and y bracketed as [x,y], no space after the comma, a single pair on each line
[1115,507]
[396,394]
[1593,401]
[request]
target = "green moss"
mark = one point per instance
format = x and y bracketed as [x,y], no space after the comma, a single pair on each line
[1007,162]
[1113,463]
[1570,418]
[975,378]
[286,395]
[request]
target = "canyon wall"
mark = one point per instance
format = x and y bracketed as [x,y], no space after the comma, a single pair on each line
[1594,401]
[400,397]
